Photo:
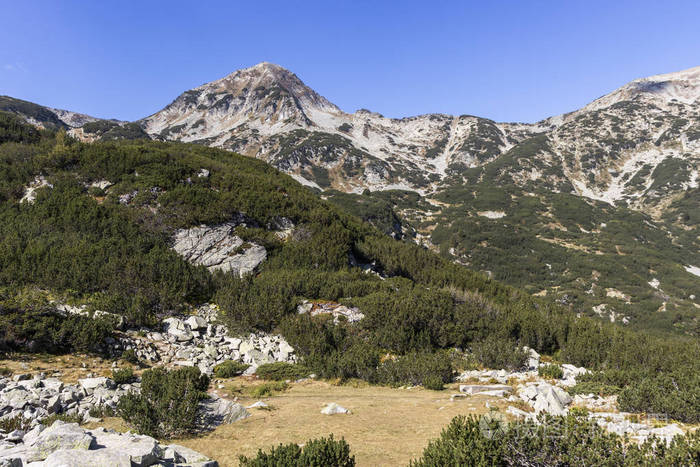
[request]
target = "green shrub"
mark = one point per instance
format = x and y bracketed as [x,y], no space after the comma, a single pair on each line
[229,369]
[18,422]
[101,411]
[129,355]
[46,331]
[75,418]
[4,371]
[550,371]
[592,387]
[123,375]
[282,371]
[494,352]
[167,404]
[560,441]
[433,382]
[419,368]
[322,452]
[675,395]
[268,389]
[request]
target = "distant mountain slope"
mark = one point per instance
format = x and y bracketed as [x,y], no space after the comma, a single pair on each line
[268,112]
[44,117]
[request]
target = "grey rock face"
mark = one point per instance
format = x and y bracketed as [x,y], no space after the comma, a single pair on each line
[142,450]
[218,248]
[68,445]
[217,411]
[73,458]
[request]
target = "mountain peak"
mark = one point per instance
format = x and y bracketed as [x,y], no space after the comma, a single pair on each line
[680,87]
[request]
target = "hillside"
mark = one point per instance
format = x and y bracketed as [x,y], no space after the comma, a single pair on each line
[597,205]
[599,200]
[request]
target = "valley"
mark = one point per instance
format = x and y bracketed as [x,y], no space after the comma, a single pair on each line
[246,266]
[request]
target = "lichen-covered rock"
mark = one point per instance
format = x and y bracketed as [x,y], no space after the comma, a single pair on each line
[68,445]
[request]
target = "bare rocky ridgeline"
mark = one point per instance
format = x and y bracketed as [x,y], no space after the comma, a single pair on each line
[607,150]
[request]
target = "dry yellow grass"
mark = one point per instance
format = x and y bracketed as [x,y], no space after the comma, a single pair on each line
[70,366]
[387,427]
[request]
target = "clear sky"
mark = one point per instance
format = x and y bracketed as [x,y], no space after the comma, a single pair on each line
[506,60]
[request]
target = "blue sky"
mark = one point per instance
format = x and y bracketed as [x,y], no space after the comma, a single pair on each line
[506,60]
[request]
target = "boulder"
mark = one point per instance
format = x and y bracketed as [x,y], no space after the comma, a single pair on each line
[217,411]
[91,384]
[196,322]
[498,390]
[177,328]
[533,361]
[546,398]
[141,450]
[258,405]
[60,436]
[180,455]
[99,457]
[333,408]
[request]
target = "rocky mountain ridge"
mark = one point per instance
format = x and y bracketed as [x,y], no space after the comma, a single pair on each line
[607,150]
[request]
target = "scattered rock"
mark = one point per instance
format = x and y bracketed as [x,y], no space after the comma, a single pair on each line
[258,405]
[198,340]
[333,408]
[497,390]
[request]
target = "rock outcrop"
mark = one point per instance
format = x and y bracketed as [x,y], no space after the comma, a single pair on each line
[38,397]
[198,340]
[219,249]
[338,311]
[67,444]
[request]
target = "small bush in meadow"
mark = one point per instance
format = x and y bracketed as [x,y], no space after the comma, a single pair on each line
[322,452]
[229,369]
[282,371]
